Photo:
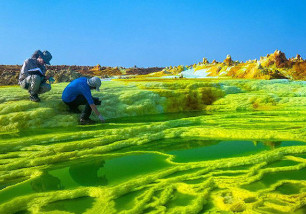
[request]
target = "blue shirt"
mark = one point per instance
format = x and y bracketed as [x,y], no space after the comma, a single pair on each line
[77,87]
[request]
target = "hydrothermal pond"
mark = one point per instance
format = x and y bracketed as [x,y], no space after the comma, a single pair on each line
[169,146]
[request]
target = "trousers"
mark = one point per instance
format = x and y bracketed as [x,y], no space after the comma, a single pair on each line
[35,84]
[81,100]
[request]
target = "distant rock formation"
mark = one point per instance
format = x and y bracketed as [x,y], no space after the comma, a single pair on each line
[228,60]
[272,66]
[96,68]
[278,58]
[205,61]
[65,73]
[298,58]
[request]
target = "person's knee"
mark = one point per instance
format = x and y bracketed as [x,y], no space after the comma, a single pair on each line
[47,87]
[34,83]
[44,88]
[24,84]
[36,79]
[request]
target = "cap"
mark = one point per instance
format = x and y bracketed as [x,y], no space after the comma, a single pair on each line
[46,55]
[94,82]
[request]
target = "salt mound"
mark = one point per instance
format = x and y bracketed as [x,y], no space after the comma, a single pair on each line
[273,66]
[191,73]
[128,98]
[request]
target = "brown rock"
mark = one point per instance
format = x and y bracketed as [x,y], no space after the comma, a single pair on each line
[228,61]
[279,58]
[205,61]
[298,58]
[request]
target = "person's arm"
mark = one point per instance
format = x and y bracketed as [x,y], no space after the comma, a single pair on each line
[24,70]
[87,94]
[24,66]
[94,108]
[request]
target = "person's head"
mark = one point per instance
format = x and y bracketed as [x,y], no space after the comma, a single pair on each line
[40,60]
[94,83]
[42,57]
[36,54]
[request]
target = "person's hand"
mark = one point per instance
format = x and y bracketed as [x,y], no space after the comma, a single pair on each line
[101,118]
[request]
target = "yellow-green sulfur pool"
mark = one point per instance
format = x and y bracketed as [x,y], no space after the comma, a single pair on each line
[168,146]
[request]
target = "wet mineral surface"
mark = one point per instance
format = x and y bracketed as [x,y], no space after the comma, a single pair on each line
[169,146]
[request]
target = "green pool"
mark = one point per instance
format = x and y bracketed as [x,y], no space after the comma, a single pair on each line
[169,146]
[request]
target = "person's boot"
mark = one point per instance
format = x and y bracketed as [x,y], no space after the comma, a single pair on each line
[86,121]
[34,98]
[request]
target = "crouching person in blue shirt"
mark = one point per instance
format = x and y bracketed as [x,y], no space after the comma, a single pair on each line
[78,93]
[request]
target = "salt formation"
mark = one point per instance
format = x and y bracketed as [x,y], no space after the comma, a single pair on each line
[228,61]
[273,66]
[205,61]
[298,58]
[40,138]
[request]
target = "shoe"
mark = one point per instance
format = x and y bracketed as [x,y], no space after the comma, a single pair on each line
[87,121]
[34,98]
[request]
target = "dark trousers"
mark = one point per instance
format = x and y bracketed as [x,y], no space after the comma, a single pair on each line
[81,100]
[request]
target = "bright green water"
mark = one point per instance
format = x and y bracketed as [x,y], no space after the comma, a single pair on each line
[273,177]
[245,143]
[127,201]
[226,149]
[99,172]
[105,172]
[77,206]
[289,189]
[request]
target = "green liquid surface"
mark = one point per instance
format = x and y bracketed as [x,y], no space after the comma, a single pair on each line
[168,146]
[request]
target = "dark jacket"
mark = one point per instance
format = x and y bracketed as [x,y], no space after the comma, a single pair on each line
[30,67]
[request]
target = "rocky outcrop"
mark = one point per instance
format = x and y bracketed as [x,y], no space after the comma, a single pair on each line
[66,73]
[205,61]
[142,71]
[298,58]
[271,66]
[278,58]
[61,73]
[228,60]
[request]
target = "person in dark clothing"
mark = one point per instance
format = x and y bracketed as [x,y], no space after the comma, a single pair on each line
[78,93]
[32,75]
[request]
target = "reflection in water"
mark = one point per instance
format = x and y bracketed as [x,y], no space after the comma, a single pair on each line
[76,206]
[169,144]
[46,182]
[99,172]
[227,149]
[270,144]
[102,172]
[86,174]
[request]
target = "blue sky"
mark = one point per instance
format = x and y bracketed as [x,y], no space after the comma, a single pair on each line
[150,33]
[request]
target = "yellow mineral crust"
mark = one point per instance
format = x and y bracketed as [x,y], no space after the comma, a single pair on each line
[37,138]
[273,66]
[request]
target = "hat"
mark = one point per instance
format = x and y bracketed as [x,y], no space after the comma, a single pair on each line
[94,82]
[46,55]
